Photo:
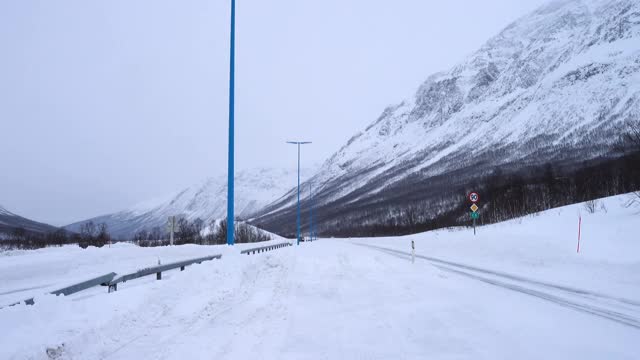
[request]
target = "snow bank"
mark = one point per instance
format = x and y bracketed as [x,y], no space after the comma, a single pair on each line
[350,298]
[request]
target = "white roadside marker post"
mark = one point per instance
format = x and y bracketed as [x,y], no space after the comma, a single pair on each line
[413,252]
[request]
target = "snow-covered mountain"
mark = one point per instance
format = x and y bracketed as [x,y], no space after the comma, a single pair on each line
[10,221]
[554,86]
[4,211]
[207,200]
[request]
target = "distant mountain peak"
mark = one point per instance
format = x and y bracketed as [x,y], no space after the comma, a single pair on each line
[4,211]
[10,221]
[206,200]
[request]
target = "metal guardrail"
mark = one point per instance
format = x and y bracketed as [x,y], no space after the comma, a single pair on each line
[264,248]
[112,281]
[158,270]
[72,289]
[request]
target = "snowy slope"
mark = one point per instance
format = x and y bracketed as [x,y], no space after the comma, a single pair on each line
[10,221]
[544,245]
[207,200]
[522,292]
[553,86]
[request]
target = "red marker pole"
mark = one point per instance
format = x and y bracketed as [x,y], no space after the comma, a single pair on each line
[579,230]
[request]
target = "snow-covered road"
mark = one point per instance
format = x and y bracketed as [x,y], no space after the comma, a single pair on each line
[465,297]
[614,308]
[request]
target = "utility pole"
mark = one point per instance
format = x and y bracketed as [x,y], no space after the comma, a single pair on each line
[230,169]
[172,227]
[298,143]
[310,212]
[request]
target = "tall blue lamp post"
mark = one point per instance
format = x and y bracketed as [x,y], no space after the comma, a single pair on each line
[298,143]
[230,170]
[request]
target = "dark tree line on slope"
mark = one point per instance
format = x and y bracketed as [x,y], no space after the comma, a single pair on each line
[630,147]
[506,193]
[90,235]
[192,232]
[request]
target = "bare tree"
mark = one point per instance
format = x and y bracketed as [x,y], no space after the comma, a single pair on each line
[221,232]
[630,140]
[57,238]
[18,234]
[411,215]
[88,230]
[634,200]
[88,233]
[631,143]
[187,233]
[629,146]
[591,206]
[141,235]
[156,234]
[102,237]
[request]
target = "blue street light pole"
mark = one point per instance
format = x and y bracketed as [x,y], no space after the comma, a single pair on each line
[230,170]
[298,143]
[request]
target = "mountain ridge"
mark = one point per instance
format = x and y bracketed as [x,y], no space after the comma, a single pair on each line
[10,222]
[555,86]
[206,200]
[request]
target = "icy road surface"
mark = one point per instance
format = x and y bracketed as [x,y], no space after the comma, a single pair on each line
[516,291]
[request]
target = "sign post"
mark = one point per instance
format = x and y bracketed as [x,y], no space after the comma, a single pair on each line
[474,216]
[172,227]
[474,197]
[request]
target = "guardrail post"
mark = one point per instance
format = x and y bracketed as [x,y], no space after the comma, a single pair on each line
[182,268]
[159,276]
[113,288]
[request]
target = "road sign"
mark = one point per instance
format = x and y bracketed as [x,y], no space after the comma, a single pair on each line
[474,197]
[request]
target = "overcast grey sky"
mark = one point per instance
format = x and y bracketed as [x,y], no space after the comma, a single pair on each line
[107,103]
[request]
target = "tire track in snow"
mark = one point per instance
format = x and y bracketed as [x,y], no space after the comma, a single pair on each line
[599,298]
[154,322]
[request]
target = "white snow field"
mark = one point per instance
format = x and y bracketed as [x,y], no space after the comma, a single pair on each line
[517,290]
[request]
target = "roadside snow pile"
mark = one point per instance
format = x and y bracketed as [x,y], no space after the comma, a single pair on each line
[28,273]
